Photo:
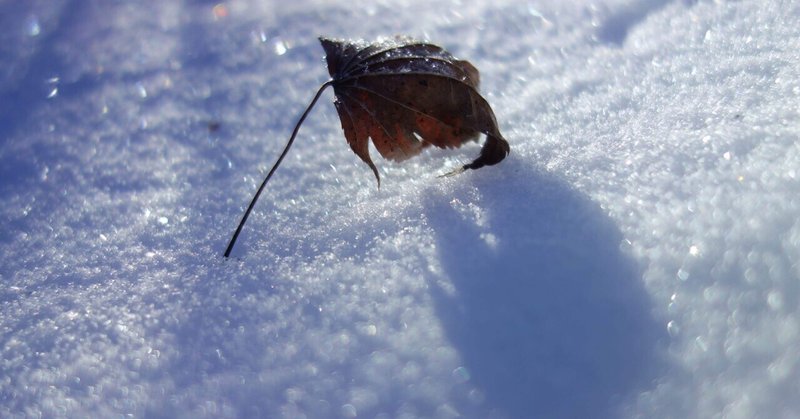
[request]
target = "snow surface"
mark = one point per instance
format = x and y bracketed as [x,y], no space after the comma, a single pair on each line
[635,256]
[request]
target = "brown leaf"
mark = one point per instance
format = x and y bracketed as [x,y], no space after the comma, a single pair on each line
[406,95]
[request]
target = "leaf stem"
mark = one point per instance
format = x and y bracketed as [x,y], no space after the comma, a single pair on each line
[274,167]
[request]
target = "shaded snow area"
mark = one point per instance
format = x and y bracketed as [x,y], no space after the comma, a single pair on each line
[635,256]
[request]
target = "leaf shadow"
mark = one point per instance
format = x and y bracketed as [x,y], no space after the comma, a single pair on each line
[549,316]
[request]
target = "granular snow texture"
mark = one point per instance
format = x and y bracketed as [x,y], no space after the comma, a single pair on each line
[636,256]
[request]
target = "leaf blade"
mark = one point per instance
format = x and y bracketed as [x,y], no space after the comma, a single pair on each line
[405,95]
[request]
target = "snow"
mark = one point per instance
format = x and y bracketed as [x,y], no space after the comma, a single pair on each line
[635,256]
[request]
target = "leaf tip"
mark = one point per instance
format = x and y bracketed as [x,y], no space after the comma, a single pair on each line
[494,150]
[374,171]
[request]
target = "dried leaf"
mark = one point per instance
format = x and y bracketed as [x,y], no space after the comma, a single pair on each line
[405,95]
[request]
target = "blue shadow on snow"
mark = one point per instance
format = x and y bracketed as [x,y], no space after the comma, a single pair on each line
[553,320]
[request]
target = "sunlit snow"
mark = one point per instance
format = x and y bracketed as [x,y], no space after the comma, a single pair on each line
[635,256]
